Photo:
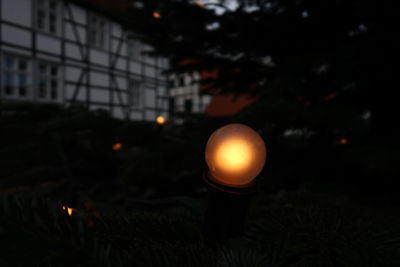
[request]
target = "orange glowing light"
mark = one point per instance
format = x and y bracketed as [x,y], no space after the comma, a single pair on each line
[344,141]
[161,120]
[69,210]
[235,155]
[117,146]
[156,15]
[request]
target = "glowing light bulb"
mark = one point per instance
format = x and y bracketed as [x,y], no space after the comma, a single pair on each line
[160,120]
[235,155]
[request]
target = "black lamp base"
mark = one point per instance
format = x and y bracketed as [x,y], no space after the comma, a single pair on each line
[226,210]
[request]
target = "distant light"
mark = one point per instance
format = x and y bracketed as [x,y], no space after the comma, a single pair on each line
[305,14]
[343,141]
[117,146]
[70,211]
[199,4]
[156,15]
[235,155]
[161,120]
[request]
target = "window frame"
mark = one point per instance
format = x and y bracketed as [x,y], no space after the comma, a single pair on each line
[49,79]
[135,85]
[16,73]
[94,30]
[131,42]
[58,16]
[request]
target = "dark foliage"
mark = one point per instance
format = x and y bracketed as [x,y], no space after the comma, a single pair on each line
[311,55]
[143,205]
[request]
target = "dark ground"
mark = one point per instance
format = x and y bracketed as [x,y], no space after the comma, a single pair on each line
[323,204]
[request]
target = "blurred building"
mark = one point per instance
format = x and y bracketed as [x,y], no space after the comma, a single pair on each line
[227,104]
[78,52]
[185,96]
[189,95]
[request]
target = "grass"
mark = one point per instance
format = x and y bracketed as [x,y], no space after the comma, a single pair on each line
[291,229]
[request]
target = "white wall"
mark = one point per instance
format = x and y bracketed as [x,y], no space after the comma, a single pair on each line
[48,44]
[11,11]
[17,36]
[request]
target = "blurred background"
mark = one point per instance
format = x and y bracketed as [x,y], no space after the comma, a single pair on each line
[106,108]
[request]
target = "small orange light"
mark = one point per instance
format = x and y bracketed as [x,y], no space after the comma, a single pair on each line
[235,155]
[161,120]
[117,146]
[344,141]
[156,15]
[199,4]
[69,210]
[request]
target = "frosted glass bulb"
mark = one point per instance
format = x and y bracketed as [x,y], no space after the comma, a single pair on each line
[235,155]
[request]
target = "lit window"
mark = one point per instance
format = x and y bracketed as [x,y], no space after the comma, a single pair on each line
[49,82]
[135,94]
[98,31]
[48,16]
[134,49]
[17,77]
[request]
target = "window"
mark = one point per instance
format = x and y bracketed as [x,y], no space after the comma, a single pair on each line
[98,31]
[135,94]
[134,49]
[49,82]
[48,16]
[181,81]
[17,77]
[188,105]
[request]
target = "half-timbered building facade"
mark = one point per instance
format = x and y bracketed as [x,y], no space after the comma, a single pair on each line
[73,52]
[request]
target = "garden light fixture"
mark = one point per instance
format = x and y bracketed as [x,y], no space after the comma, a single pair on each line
[235,155]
